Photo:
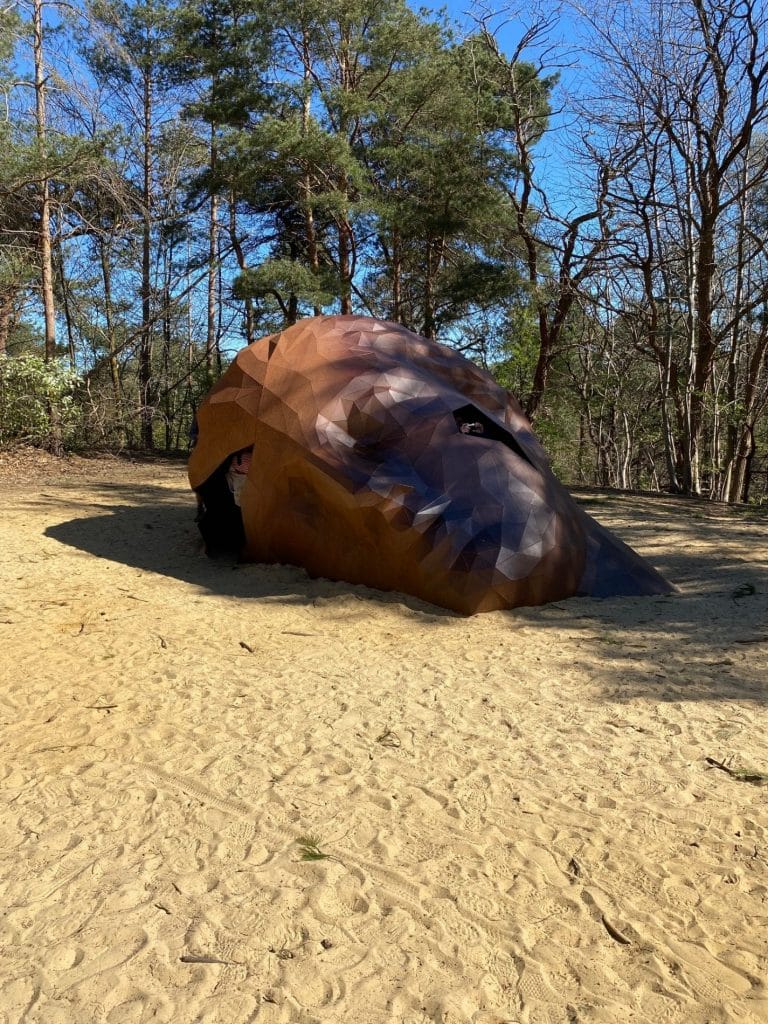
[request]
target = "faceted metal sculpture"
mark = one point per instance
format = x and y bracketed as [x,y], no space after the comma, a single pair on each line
[381,458]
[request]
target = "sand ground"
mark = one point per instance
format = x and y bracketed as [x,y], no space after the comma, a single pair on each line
[520,819]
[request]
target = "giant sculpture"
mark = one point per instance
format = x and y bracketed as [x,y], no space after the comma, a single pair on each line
[364,453]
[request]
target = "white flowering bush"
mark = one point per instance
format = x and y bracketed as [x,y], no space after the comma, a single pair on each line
[32,392]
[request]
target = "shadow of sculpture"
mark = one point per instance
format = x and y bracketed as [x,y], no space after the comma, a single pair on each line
[160,536]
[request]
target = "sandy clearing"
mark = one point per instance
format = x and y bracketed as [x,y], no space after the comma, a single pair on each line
[520,819]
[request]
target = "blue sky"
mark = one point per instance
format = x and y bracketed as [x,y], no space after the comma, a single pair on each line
[557,171]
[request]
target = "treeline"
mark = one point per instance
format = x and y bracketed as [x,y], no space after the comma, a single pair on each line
[178,179]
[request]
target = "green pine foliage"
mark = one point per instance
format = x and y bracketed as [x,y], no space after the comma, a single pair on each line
[216,169]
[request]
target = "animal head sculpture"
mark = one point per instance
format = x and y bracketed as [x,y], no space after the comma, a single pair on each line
[381,458]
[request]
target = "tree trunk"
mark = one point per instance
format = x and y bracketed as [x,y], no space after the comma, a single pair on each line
[44,197]
[541,373]
[65,304]
[754,404]
[145,347]
[211,340]
[397,298]
[44,202]
[306,183]
[114,373]
[213,269]
[345,267]
[705,349]
[732,380]
[167,343]
[428,328]
[250,319]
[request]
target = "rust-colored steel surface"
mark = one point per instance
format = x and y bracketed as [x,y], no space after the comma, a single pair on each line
[374,456]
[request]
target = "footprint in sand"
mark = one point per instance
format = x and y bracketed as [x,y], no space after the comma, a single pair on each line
[127,1003]
[541,864]
[63,957]
[125,949]
[17,997]
[471,795]
[536,995]
[706,976]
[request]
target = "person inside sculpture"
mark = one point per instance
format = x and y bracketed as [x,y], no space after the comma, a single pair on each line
[474,422]
[239,465]
[218,507]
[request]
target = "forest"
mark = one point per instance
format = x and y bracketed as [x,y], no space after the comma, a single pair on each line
[574,197]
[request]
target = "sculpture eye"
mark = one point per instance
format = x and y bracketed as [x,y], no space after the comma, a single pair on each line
[473,422]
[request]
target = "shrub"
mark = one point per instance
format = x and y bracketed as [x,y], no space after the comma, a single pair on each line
[33,393]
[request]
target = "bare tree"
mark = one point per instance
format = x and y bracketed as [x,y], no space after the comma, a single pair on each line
[561,252]
[685,83]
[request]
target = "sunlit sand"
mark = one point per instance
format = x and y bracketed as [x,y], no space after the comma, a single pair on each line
[509,817]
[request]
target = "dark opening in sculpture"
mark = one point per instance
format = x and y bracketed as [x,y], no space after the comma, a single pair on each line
[365,453]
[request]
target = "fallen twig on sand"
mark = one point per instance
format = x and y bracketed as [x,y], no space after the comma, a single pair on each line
[741,774]
[282,954]
[614,932]
[133,596]
[389,739]
[203,960]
